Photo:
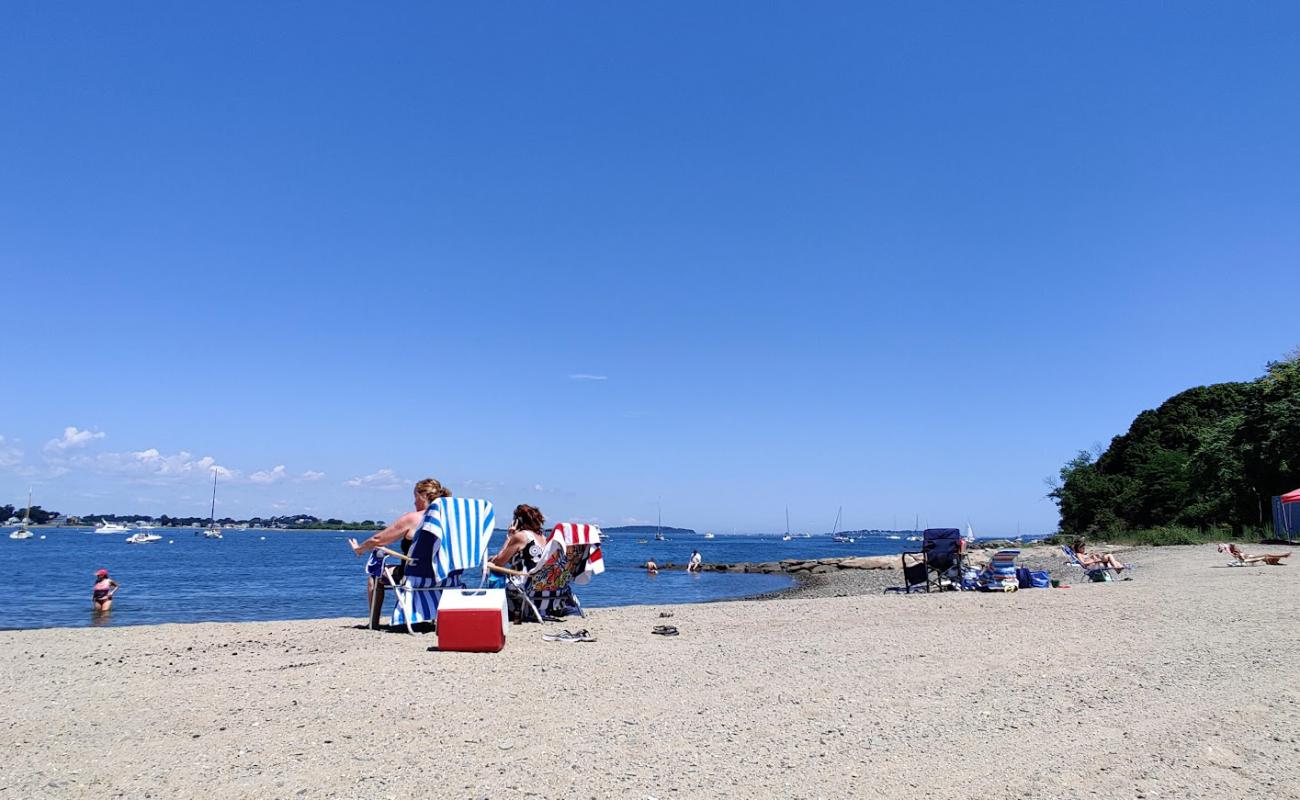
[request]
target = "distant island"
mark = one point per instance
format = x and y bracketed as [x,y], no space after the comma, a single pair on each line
[647,529]
[39,516]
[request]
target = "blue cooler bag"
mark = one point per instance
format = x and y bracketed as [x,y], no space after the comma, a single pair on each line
[1040,579]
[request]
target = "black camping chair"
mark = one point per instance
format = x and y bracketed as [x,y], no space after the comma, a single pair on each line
[915,575]
[943,552]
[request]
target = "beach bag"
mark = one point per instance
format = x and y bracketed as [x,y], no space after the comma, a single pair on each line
[1099,576]
[1040,579]
[1023,578]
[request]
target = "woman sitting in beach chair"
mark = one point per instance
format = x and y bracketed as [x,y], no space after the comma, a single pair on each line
[379,574]
[522,550]
[1090,561]
[571,556]
[1246,560]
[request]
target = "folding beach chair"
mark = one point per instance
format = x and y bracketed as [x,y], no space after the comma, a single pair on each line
[1097,572]
[450,545]
[943,552]
[916,575]
[1000,574]
[572,555]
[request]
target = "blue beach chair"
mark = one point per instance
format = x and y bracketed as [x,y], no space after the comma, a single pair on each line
[449,546]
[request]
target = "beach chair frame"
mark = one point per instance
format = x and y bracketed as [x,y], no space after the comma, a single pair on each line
[916,575]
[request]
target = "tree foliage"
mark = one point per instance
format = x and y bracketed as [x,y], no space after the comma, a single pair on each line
[1212,455]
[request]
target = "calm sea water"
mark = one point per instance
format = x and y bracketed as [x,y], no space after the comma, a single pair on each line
[272,575]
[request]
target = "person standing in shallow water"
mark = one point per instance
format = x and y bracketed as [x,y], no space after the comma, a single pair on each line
[694,566]
[102,593]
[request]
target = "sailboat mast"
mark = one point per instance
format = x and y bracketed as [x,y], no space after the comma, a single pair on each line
[212,515]
[27,514]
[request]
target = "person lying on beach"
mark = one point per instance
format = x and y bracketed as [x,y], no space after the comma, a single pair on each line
[102,593]
[403,529]
[651,568]
[1092,560]
[1274,559]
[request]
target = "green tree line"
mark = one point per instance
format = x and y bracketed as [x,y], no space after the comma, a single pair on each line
[1209,456]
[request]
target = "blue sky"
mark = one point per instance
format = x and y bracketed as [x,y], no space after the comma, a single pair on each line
[734,256]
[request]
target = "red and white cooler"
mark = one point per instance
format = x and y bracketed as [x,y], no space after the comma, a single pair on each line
[472,620]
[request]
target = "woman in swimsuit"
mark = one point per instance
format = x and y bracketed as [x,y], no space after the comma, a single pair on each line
[102,593]
[521,552]
[426,492]
[1093,560]
[524,542]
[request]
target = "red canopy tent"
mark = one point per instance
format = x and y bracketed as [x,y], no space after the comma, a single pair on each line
[1291,497]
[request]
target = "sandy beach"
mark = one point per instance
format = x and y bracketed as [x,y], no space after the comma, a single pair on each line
[1183,682]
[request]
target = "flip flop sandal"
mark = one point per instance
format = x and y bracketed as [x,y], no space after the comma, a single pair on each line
[664,630]
[569,636]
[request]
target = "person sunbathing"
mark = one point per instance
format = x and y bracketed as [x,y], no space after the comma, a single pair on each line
[1097,560]
[1274,559]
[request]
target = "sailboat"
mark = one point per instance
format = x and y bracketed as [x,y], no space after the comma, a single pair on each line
[659,526]
[787,536]
[212,531]
[22,532]
[836,536]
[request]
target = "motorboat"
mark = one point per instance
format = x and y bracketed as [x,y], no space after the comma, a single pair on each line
[143,538]
[708,535]
[111,527]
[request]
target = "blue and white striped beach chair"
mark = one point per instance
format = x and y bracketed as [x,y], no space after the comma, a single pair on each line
[450,545]
[1000,574]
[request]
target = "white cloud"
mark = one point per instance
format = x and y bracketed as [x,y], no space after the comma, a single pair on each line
[152,466]
[311,475]
[10,456]
[379,479]
[72,438]
[583,376]
[274,475]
